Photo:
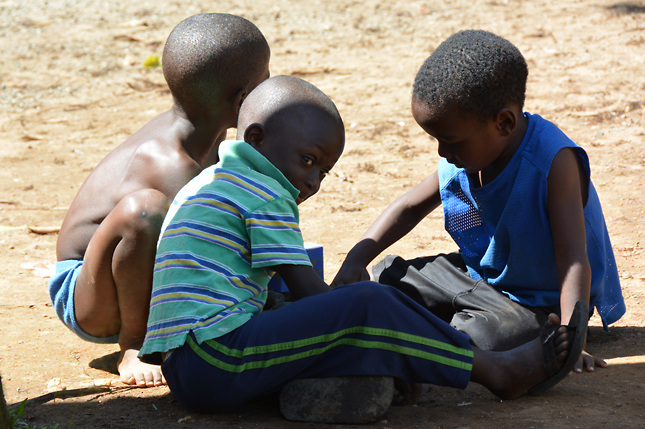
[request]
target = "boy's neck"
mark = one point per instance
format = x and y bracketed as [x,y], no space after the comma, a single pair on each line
[198,137]
[489,174]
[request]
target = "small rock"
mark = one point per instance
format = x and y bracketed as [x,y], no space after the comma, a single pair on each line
[339,400]
[54,385]
[184,419]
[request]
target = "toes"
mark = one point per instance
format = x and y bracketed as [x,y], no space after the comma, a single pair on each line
[562,349]
[141,380]
[128,379]
[158,379]
[554,319]
[146,379]
[151,378]
[136,373]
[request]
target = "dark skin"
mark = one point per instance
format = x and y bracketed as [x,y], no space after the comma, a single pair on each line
[305,148]
[304,154]
[510,374]
[113,222]
[483,148]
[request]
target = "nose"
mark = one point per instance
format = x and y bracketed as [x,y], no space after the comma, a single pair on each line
[313,181]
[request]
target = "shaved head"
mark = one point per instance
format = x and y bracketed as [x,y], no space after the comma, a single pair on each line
[296,127]
[284,101]
[210,55]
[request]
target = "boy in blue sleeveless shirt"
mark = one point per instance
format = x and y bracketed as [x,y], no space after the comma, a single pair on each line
[517,199]
[235,224]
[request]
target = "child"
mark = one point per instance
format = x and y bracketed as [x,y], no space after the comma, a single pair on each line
[517,199]
[236,224]
[107,241]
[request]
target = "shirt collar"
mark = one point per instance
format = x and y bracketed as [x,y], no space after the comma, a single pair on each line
[236,151]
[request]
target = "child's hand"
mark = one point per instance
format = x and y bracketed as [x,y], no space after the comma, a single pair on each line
[589,363]
[350,274]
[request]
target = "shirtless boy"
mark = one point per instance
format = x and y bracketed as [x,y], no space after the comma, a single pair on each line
[107,242]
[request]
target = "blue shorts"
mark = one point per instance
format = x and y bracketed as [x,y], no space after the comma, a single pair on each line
[61,292]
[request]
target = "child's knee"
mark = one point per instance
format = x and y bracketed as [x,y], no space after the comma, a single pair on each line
[368,292]
[144,209]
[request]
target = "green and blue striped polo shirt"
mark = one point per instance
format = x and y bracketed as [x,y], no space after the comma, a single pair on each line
[224,232]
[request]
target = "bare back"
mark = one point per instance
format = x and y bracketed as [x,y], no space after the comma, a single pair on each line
[152,158]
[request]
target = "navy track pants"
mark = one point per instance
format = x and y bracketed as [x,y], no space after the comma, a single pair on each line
[360,329]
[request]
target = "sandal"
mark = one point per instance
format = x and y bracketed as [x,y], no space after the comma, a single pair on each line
[577,330]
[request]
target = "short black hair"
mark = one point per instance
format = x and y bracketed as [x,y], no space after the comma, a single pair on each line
[474,71]
[208,53]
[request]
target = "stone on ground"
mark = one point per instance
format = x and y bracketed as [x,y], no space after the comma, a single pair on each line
[341,400]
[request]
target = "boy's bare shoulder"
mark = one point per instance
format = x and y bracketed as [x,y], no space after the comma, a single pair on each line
[154,157]
[159,164]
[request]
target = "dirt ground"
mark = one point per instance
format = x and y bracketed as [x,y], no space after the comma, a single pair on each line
[72,87]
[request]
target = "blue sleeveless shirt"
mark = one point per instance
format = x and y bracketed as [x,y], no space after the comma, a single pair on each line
[503,230]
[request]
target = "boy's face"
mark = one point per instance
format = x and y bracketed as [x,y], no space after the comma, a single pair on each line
[464,140]
[304,153]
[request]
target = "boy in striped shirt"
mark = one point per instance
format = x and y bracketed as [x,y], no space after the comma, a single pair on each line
[236,224]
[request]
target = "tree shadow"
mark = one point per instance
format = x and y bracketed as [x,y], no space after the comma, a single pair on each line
[131,407]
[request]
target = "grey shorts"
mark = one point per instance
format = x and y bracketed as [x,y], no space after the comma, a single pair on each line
[442,285]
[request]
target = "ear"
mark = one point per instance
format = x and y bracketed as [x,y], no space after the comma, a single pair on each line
[506,121]
[236,102]
[254,135]
[240,95]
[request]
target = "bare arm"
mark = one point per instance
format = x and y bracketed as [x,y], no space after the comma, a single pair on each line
[398,219]
[567,190]
[302,280]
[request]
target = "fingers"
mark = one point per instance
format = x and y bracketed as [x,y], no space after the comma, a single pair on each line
[350,276]
[589,363]
[600,362]
[579,365]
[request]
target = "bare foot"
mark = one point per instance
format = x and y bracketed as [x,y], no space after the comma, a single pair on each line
[135,372]
[510,374]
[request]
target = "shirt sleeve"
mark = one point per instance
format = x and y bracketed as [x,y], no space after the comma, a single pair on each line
[275,235]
